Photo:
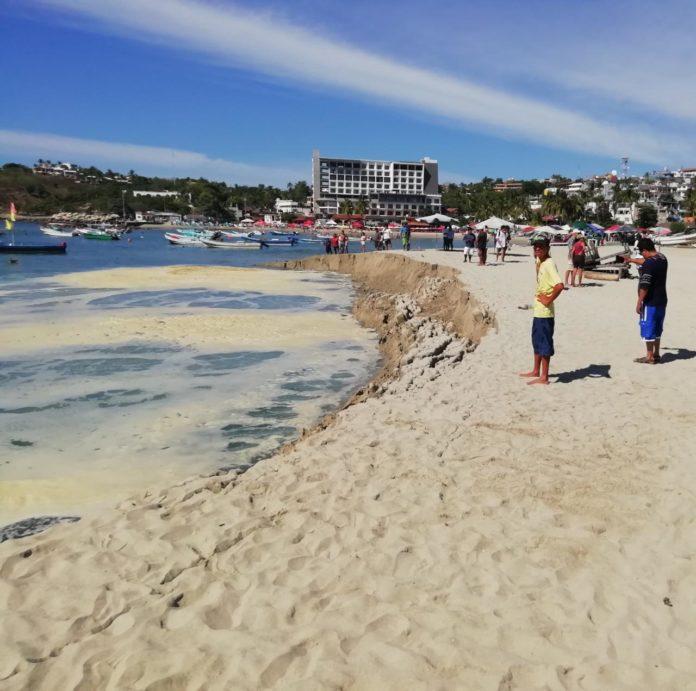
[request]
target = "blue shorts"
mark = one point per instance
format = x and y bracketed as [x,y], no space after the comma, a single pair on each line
[542,336]
[651,322]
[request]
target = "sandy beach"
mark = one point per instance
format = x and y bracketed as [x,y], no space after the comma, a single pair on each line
[453,529]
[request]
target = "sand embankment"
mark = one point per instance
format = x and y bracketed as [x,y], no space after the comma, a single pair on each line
[458,530]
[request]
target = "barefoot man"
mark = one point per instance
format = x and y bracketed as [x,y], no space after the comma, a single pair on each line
[549,287]
[652,298]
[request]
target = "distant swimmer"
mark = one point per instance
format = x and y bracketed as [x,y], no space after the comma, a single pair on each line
[549,287]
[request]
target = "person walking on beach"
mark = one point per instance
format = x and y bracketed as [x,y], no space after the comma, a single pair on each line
[549,286]
[343,243]
[386,238]
[482,246]
[405,233]
[578,257]
[502,238]
[334,243]
[469,243]
[327,245]
[363,242]
[569,271]
[652,298]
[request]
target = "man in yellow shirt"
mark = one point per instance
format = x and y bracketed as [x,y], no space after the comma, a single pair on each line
[549,287]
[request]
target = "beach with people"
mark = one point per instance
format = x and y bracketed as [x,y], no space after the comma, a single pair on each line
[448,527]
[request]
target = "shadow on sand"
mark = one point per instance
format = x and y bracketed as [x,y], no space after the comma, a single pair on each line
[672,354]
[589,372]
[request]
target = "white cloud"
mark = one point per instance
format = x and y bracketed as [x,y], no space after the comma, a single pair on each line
[272,46]
[153,160]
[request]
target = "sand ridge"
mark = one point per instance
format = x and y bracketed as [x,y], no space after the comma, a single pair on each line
[457,530]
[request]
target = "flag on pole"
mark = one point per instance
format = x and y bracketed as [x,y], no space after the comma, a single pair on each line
[8,224]
[13,212]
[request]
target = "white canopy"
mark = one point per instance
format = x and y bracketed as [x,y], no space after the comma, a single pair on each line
[550,230]
[247,220]
[330,222]
[440,218]
[494,223]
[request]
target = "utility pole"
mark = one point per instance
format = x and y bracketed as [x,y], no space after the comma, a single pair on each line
[123,204]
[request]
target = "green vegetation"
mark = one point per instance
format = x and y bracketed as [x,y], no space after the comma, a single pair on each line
[647,216]
[93,191]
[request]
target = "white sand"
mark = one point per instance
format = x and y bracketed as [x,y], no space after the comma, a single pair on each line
[458,531]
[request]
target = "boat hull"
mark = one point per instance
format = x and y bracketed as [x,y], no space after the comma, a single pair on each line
[34,249]
[215,244]
[100,236]
[55,233]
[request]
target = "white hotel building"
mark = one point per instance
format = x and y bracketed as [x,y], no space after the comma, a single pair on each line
[390,189]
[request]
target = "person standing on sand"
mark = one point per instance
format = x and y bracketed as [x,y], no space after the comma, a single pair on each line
[578,256]
[549,287]
[363,242]
[386,238]
[569,271]
[502,238]
[652,298]
[469,242]
[405,233]
[482,246]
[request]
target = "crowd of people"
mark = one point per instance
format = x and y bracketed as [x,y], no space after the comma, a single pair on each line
[381,239]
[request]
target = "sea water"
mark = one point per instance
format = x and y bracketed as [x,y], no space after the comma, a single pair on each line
[112,381]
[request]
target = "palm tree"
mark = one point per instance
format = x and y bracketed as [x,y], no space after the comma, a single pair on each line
[553,205]
[345,207]
[690,203]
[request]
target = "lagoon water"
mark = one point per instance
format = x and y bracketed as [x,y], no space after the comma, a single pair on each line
[116,379]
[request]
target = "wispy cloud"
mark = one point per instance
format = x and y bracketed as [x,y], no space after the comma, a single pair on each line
[271,45]
[153,160]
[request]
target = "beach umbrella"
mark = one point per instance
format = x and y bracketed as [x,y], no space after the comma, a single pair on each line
[495,223]
[660,230]
[581,225]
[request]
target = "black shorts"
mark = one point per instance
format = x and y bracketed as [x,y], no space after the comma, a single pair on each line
[578,261]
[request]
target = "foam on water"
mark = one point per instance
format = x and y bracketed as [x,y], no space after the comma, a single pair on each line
[92,410]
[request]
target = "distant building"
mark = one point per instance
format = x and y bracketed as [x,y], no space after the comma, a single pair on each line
[161,217]
[66,170]
[386,189]
[575,188]
[286,206]
[154,193]
[508,186]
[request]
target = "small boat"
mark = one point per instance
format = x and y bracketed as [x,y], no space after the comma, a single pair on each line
[184,240]
[92,234]
[234,245]
[279,242]
[236,235]
[57,232]
[33,249]
[676,240]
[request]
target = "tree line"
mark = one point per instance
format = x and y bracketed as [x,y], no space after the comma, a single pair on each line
[93,191]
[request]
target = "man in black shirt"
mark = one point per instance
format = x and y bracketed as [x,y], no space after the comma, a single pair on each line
[652,298]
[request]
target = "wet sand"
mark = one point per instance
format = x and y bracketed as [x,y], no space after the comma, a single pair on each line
[455,529]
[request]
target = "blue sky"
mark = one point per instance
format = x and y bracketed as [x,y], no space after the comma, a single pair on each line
[243,91]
